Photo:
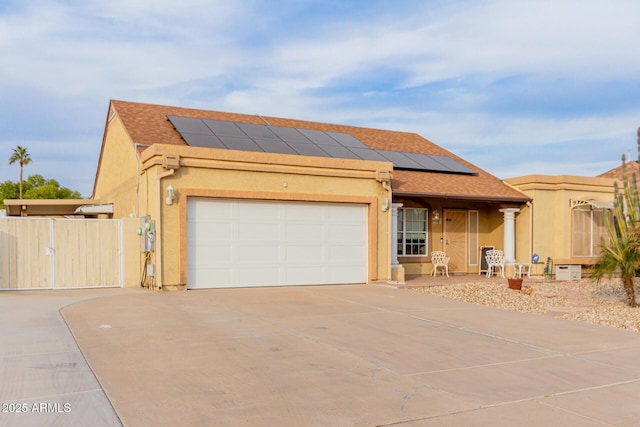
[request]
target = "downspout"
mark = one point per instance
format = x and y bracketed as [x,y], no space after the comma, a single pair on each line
[135,147]
[158,227]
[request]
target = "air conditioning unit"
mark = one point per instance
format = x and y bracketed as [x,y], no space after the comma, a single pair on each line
[568,272]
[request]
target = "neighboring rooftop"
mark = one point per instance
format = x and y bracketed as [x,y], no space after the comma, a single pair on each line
[632,168]
[56,207]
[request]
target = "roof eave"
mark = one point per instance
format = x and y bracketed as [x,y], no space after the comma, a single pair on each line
[501,199]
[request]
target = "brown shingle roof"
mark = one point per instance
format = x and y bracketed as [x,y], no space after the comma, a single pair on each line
[148,124]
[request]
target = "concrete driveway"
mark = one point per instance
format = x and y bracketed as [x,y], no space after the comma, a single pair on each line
[350,356]
[44,378]
[312,356]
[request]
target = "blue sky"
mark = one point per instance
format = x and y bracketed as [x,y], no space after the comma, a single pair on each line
[515,87]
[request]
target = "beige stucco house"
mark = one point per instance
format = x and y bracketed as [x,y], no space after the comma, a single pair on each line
[245,200]
[564,220]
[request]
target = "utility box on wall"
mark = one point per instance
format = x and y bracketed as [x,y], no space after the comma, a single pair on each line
[568,272]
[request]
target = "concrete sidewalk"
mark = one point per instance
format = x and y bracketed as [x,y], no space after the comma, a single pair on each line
[351,356]
[44,378]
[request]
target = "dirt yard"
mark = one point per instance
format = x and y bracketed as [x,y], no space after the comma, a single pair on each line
[584,301]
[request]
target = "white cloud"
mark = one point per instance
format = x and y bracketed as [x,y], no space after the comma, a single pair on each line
[285,61]
[108,46]
[495,38]
[490,131]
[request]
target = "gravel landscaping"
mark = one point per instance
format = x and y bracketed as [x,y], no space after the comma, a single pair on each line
[584,301]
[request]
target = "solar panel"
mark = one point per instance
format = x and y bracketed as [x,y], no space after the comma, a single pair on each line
[347,140]
[310,150]
[454,165]
[319,137]
[289,134]
[340,152]
[274,146]
[257,131]
[305,142]
[199,140]
[429,163]
[221,128]
[369,154]
[242,144]
[400,160]
[184,124]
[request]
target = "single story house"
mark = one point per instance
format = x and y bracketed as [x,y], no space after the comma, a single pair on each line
[228,200]
[565,221]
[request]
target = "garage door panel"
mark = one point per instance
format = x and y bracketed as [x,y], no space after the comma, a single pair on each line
[218,277]
[304,232]
[258,232]
[211,212]
[304,254]
[345,255]
[344,274]
[345,233]
[257,255]
[271,243]
[307,276]
[259,276]
[211,231]
[303,213]
[342,213]
[215,255]
[247,210]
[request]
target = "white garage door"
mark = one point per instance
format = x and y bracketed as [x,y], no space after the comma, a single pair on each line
[235,243]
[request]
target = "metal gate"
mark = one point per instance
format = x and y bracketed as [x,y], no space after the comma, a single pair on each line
[51,253]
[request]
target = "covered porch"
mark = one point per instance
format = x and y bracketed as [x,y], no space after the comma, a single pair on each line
[462,228]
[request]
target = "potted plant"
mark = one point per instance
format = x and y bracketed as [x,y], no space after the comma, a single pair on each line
[515,283]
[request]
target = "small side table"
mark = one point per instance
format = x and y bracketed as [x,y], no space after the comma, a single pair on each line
[523,268]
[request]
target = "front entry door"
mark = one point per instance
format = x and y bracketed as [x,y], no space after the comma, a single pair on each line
[455,239]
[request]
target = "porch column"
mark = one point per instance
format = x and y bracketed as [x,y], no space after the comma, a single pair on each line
[397,270]
[509,234]
[394,235]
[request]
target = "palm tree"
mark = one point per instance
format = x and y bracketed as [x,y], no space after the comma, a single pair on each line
[21,156]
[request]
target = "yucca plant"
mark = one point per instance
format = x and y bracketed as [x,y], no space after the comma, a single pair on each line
[622,254]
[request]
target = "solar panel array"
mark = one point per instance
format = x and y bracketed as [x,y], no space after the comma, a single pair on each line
[304,142]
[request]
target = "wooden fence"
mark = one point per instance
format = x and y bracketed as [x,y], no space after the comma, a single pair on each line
[52,253]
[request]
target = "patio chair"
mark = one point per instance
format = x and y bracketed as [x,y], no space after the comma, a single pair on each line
[495,260]
[440,259]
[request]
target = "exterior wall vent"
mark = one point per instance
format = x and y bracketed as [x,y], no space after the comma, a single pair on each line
[171,162]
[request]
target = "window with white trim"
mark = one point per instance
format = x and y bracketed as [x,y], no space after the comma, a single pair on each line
[412,231]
